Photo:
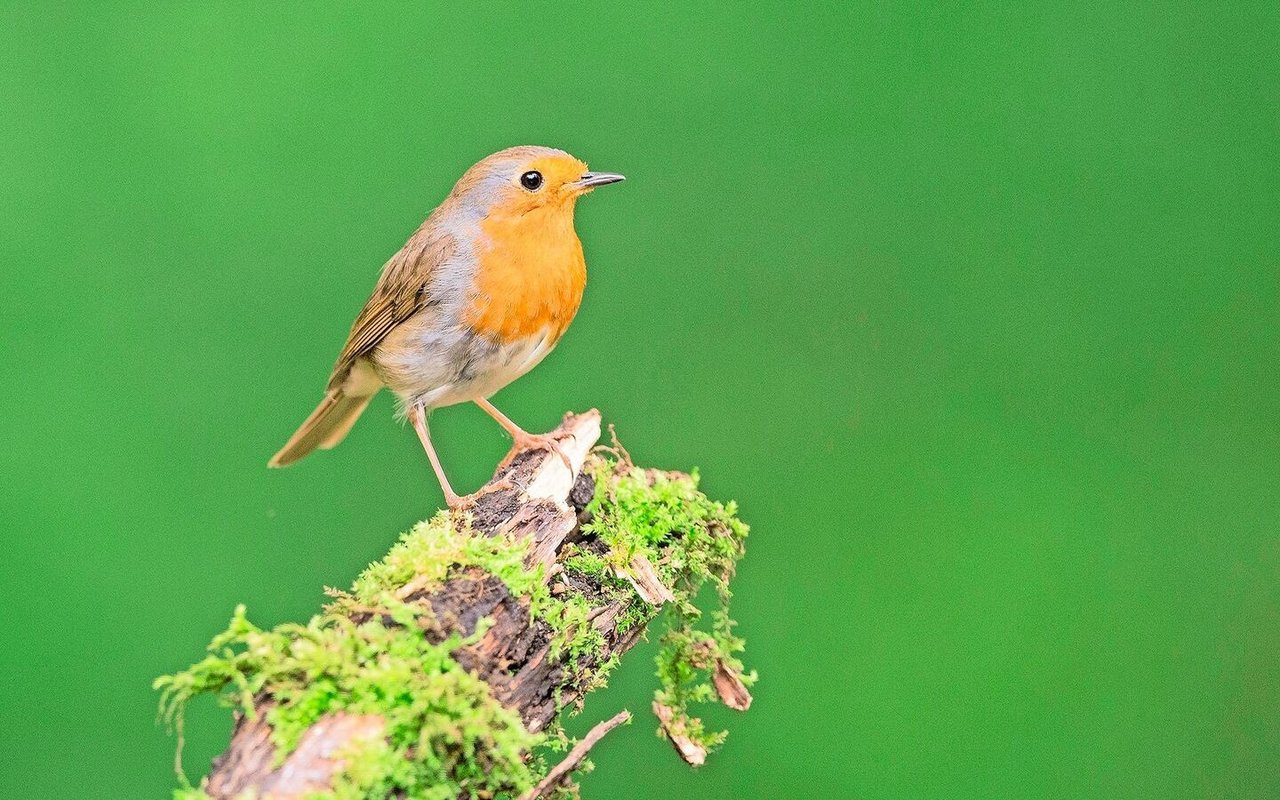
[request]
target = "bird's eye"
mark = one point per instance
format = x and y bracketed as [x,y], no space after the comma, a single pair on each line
[531,180]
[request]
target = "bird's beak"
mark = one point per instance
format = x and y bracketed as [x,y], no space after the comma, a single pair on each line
[593,179]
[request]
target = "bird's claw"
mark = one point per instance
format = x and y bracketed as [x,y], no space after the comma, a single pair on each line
[536,441]
[468,501]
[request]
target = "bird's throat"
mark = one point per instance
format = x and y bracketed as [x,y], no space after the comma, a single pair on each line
[530,274]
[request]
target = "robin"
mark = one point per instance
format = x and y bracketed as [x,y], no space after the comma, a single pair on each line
[480,294]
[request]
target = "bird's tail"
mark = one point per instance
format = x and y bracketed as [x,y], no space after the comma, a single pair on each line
[326,426]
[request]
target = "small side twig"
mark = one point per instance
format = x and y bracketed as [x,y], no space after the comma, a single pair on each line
[579,752]
[616,449]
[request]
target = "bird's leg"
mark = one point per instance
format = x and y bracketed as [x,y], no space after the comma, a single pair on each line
[418,415]
[523,439]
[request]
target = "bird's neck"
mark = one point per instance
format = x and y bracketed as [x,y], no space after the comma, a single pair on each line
[530,274]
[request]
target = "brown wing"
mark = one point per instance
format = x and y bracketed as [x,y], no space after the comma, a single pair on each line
[401,291]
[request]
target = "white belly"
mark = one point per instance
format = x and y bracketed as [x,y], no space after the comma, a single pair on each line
[500,367]
[425,365]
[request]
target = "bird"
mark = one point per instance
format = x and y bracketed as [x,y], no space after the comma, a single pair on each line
[479,295]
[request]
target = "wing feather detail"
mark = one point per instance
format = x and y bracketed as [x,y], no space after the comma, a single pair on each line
[402,290]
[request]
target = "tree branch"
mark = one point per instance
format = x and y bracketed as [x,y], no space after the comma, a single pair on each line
[579,752]
[538,632]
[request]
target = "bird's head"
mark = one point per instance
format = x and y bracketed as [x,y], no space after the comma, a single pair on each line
[520,180]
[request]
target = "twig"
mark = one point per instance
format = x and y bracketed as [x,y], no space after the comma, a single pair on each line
[576,755]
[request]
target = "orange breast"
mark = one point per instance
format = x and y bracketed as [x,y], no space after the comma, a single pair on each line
[530,274]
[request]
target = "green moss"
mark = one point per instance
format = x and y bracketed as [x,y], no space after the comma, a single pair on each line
[692,541]
[426,555]
[438,716]
[446,735]
[369,651]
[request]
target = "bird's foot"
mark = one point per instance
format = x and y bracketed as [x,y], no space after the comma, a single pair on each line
[468,501]
[535,441]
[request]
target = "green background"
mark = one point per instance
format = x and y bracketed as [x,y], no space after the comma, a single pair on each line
[975,311]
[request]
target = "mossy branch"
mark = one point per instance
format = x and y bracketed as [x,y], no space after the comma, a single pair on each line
[441,673]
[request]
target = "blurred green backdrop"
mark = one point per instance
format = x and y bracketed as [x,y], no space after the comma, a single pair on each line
[974,310]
